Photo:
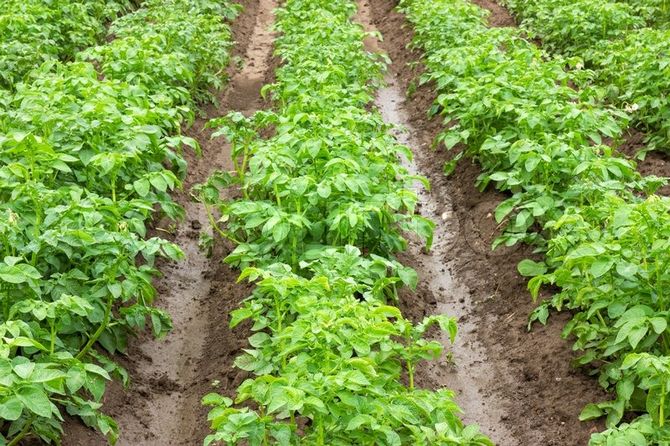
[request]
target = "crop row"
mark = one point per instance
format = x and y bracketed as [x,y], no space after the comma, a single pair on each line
[322,206]
[87,151]
[34,31]
[603,233]
[577,26]
[629,58]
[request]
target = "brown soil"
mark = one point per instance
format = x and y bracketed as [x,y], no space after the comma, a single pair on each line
[654,162]
[524,379]
[499,16]
[170,376]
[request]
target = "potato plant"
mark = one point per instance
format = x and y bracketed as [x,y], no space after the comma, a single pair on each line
[323,204]
[87,153]
[573,27]
[35,31]
[634,71]
[596,220]
[624,42]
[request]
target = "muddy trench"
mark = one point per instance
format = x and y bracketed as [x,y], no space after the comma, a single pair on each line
[169,376]
[518,386]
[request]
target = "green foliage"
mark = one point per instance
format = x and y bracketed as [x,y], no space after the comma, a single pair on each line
[603,233]
[635,71]
[35,31]
[323,205]
[624,42]
[86,156]
[158,45]
[574,26]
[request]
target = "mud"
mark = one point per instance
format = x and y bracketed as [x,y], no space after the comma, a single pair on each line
[519,386]
[653,162]
[170,376]
[499,15]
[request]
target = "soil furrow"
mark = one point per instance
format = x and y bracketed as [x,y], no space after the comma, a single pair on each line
[519,386]
[170,376]
[465,369]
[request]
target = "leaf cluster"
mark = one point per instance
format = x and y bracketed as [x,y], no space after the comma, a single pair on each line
[624,42]
[35,31]
[87,155]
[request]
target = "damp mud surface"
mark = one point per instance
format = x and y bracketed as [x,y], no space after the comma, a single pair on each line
[519,386]
[169,376]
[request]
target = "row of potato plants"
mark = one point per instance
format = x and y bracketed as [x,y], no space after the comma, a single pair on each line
[34,31]
[626,43]
[88,151]
[321,207]
[605,236]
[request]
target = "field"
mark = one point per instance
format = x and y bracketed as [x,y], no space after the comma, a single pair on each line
[335,222]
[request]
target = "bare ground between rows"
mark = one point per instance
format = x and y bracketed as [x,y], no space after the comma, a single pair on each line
[534,384]
[169,377]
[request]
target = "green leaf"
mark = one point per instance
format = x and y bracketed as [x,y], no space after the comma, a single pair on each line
[280,231]
[601,266]
[35,400]
[25,369]
[529,268]
[19,273]
[142,187]
[409,277]
[239,315]
[591,412]
[358,421]
[10,408]
[214,399]
[659,324]
[158,182]
[504,209]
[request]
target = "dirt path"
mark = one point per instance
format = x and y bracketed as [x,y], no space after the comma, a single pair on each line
[170,376]
[519,386]
[467,370]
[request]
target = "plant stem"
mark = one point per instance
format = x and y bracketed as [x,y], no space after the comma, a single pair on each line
[92,340]
[222,233]
[661,410]
[23,433]
[53,337]
[321,439]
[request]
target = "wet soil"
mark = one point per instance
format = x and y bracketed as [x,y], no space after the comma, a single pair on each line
[519,386]
[499,15]
[169,377]
[653,162]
